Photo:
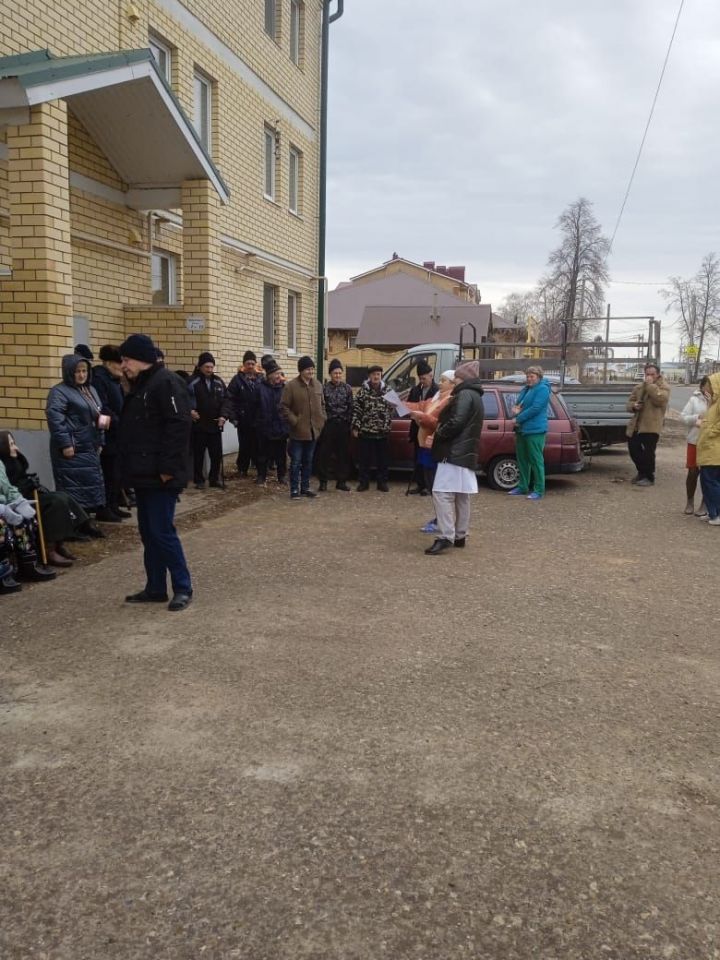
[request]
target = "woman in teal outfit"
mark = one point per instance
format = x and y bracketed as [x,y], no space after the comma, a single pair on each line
[531,423]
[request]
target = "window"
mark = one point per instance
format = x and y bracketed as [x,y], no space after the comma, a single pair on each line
[162,55]
[271,18]
[295,168]
[491,409]
[292,321]
[163,278]
[203,109]
[404,376]
[351,341]
[297,24]
[269,300]
[271,137]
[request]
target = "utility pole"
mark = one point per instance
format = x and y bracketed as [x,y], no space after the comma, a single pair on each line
[607,341]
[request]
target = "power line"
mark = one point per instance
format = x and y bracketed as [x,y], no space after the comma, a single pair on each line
[647,125]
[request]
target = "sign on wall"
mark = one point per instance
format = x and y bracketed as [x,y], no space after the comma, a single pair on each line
[195,324]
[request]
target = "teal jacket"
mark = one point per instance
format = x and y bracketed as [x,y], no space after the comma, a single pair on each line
[533,417]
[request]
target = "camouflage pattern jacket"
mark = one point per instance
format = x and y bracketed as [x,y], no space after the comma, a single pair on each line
[372,414]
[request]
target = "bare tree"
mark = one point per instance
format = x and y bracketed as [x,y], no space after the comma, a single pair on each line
[578,274]
[696,303]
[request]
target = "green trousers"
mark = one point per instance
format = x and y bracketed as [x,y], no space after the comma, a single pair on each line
[531,463]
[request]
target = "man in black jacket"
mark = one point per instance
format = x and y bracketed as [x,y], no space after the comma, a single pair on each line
[107,382]
[455,450]
[239,407]
[153,438]
[207,395]
[424,389]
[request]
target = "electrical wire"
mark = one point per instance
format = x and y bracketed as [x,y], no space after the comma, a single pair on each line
[647,125]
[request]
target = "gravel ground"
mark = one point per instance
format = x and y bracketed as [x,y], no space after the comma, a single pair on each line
[345,750]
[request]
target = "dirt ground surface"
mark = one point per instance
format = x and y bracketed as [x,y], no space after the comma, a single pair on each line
[346,750]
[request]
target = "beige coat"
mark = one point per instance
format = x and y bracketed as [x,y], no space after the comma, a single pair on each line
[654,398]
[708,444]
[304,407]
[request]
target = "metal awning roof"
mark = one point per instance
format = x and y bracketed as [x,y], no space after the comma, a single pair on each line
[126,106]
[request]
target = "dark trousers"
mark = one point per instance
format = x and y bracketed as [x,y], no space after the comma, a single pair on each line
[271,449]
[247,448]
[641,447]
[212,442]
[710,485]
[163,550]
[333,457]
[418,475]
[109,465]
[373,450]
[301,460]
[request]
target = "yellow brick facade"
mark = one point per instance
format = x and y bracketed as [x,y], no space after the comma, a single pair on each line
[71,247]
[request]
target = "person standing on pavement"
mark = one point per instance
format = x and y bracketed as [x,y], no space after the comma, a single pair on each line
[692,414]
[648,403]
[424,389]
[207,393]
[271,427]
[238,407]
[153,437]
[425,415]
[371,425]
[455,450]
[303,406]
[708,452]
[107,377]
[531,423]
[334,449]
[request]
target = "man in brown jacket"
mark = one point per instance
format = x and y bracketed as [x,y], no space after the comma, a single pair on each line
[303,405]
[648,403]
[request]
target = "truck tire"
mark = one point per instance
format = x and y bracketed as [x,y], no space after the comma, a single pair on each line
[502,473]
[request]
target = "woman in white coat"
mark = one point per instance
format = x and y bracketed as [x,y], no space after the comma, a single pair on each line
[692,415]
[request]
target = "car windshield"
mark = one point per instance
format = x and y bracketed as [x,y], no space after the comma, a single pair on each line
[405,376]
[510,399]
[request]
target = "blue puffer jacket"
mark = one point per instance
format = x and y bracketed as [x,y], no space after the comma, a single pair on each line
[72,419]
[533,417]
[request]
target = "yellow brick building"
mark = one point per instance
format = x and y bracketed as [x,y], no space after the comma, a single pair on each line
[158,173]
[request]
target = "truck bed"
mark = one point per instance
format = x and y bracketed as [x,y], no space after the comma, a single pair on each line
[600,411]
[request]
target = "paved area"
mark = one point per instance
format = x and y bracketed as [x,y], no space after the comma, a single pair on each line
[345,750]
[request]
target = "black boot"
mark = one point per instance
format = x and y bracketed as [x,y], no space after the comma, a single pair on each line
[341,485]
[322,486]
[34,572]
[8,583]
[440,545]
[89,529]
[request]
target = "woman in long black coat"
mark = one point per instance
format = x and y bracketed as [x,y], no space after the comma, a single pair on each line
[62,518]
[74,416]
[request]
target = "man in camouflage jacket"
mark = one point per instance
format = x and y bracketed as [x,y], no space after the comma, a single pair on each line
[371,423]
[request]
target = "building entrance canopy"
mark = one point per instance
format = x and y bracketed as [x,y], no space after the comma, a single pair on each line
[127,107]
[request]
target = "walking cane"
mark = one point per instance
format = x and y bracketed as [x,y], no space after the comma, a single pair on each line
[43,551]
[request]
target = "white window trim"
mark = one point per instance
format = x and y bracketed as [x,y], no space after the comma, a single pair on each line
[207,86]
[172,276]
[296,17]
[294,298]
[155,41]
[270,141]
[294,152]
[270,347]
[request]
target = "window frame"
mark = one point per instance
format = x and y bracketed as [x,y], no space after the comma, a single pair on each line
[155,40]
[270,158]
[206,84]
[509,398]
[293,315]
[351,340]
[172,263]
[297,25]
[294,204]
[270,291]
[271,18]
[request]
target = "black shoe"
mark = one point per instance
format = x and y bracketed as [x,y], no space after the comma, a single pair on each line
[215,483]
[64,552]
[180,601]
[341,485]
[415,493]
[460,542]
[91,532]
[142,596]
[9,584]
[199,484]
[35,572]
[637,478]
[424,492]
[362,487]
[106,515]
[294,494]
[383,488]
[123,514]
[322,487]
[308,493]
[644,482]
[439,546]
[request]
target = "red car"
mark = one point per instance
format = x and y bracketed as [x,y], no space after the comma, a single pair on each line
[496,455]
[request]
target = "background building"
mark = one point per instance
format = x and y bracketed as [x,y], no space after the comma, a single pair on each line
[158,173]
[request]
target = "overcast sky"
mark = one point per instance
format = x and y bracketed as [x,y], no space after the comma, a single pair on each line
[460,130]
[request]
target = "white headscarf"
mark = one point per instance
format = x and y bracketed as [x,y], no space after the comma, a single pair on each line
[448,375]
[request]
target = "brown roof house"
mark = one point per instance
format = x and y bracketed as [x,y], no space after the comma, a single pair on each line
[380,313]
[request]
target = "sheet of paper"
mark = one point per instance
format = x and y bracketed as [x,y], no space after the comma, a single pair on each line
[392,397]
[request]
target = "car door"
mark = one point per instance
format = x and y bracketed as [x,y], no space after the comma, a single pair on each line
[492,438]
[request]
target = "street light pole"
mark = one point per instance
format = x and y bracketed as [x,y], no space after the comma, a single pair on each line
[327,19]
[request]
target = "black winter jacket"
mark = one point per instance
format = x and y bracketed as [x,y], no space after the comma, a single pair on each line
[458,431]
[207,397]
[154,431]
[72,416]
[111,397]
[268,418]
[239,402]
[415,396]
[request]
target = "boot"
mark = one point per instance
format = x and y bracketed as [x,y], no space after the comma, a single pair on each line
[33,571]
[323,486]
[341,485]
[8,583]
[92,531]
[56,559]
[64,552]
[106,515]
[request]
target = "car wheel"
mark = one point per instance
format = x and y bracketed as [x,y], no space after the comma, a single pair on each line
[503,473]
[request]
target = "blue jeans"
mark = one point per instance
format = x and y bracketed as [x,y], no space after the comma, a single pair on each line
[163,550]
[710,485]
[301,459]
